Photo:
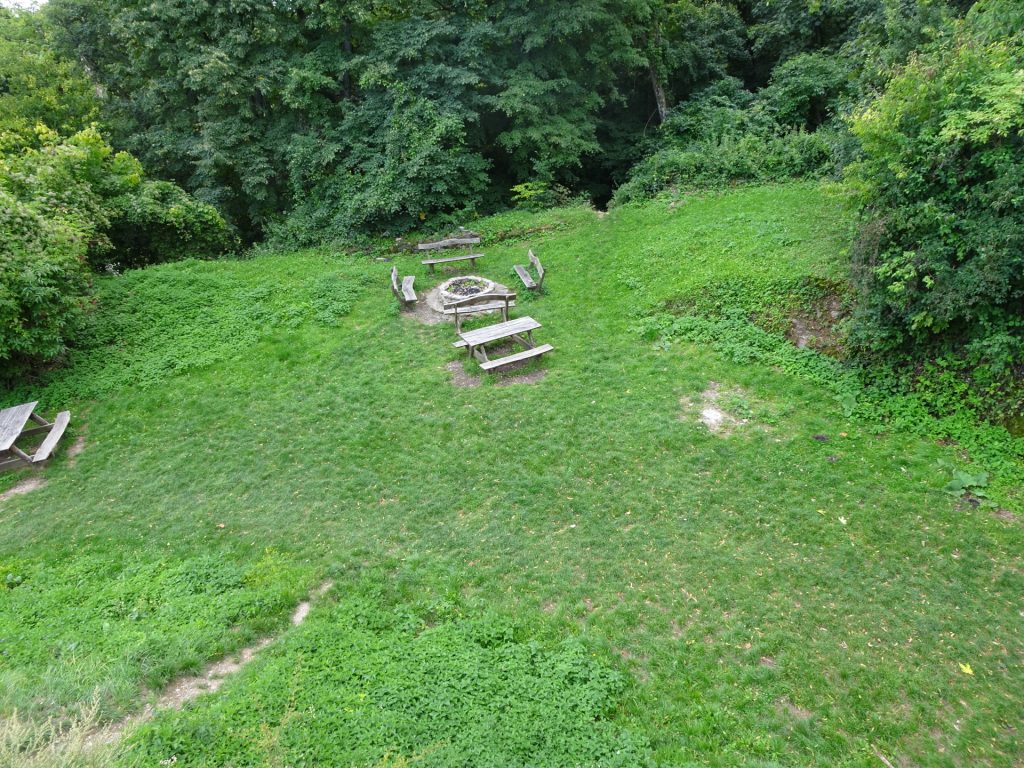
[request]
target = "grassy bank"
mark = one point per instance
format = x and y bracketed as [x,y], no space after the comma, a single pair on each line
[795,590]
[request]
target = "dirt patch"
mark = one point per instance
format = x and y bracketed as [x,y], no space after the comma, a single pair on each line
[509,377]
[794,711]
[504,378]
[25,485]
[187,688]
[459,376]
[816,329]
[768,661]
[1006,515]
[422,311]
[713,409]
[75,449]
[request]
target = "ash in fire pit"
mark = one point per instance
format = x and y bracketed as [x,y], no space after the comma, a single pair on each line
[463,287]
[468,286]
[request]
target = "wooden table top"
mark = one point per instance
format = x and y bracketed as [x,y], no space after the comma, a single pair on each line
[12,422]
[499,331]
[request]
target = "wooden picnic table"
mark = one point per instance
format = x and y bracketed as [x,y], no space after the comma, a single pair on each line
[476,342]
[12,428]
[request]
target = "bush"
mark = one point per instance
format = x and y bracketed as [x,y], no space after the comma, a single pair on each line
[44,283]
[158,222]
[69,203]
[729,160]
[805,90]
[128,220]
[939,266]
[727,135]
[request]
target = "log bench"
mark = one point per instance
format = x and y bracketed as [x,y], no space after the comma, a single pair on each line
[526,277]
[471,257]
[491,301]
[404,293]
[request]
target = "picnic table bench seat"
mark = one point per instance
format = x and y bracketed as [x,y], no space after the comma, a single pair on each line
[471,257]
[404,292]
[12,428]
[526,354]
[526,277]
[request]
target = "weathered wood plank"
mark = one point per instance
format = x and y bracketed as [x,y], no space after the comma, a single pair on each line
[407,290]
[448,242]
[12,422]
[524,276]
[59,425]
[500,331]
[537,266]
[472,257]
[501,362]
[490,307]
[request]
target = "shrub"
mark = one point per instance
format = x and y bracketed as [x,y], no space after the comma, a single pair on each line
[727,135]
[939,266]
[73,202]
[44,283]
[748,157]
[128,220]
[805,90]
[158,221]
[538,195]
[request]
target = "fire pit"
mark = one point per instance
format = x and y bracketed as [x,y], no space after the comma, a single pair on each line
[462,288]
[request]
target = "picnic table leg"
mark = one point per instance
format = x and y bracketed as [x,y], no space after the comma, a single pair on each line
[21,454]
[523,342]
[40,420]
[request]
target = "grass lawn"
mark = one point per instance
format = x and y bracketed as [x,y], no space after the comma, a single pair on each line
[570,572]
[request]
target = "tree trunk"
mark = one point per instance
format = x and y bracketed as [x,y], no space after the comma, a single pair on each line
[659,96]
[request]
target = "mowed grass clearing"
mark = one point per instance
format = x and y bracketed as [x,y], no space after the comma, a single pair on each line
[763,598]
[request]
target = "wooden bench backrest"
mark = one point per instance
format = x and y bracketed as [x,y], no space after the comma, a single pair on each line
[536,265]
[448,242]
[481,298]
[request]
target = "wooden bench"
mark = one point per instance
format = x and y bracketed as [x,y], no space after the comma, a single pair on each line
[524,275]
[466,238]
[404,293]
[492,301]
[476,340]
[526,354]
[472,257]
[12,428]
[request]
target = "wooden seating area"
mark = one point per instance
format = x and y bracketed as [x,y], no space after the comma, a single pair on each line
[524,275]
[492,301]
[12,429]
[404,293]
[519,330]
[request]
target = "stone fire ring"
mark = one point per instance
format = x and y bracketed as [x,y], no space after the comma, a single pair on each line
[444,293]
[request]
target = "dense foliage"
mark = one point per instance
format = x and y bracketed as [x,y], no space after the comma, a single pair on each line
[413,684]
[940,262]
[313,121]
[70,203]
[37,86]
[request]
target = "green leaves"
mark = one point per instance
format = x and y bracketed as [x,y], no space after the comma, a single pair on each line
[964,482]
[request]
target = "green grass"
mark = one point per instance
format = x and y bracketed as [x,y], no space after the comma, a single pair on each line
[255,426]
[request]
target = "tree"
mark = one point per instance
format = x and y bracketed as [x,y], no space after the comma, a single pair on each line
[940,265]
